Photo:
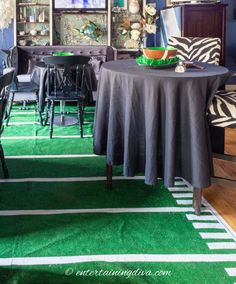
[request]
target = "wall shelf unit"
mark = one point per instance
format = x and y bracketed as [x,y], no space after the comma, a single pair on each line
[38,23]
[33,22]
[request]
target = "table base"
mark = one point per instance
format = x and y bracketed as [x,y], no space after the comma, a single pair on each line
[64,120]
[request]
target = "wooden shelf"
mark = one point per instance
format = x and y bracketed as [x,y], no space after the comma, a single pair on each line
[46,22]
[31,4]
[28,35]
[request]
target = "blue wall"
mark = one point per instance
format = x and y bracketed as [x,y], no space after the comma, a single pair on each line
[6,40]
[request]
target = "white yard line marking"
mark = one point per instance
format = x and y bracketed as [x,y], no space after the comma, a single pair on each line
[23,123]
[193,217]
[52,156]
[179,189]
[222,245]
[216,236]
[180,183]
[118,258]
[184,202]
[99,210]
[231,271]
[182,195]
[187,183]
[42,137]
[208,226]
[23,112]
[68,179]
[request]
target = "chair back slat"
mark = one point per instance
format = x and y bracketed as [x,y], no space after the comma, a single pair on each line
[67,76]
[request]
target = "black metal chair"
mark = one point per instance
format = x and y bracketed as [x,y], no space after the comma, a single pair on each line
[66,81]
[5,83]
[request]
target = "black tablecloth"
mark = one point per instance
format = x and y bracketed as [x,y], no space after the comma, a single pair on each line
[154,120]
[39,77]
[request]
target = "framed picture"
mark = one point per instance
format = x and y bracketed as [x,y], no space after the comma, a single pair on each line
[80,4]
[120,3]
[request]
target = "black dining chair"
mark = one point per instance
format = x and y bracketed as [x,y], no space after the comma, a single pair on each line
[5,83]
[222,111]
[22,92]
[66,81]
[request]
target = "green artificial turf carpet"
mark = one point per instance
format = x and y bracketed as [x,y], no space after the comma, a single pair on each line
[59,224]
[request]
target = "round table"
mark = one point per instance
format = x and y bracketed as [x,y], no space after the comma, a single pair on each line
[154,120]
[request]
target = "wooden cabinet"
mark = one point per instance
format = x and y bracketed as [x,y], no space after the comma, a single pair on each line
[195,20]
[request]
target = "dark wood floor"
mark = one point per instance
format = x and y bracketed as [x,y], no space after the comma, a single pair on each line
[222,196]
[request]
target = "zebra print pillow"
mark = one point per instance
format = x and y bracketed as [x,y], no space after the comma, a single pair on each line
[197,48]
[222,111]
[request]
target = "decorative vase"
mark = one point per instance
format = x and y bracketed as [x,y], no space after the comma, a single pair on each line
[134,6]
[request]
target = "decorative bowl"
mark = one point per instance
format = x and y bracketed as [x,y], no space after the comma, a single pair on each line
[22,42]
[62,53]
[159,52]
[33,32]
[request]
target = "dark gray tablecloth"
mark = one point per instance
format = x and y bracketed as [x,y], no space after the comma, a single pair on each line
[154,120]
[39,77]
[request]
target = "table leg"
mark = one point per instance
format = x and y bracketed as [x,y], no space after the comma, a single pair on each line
[109,176]
[197,200]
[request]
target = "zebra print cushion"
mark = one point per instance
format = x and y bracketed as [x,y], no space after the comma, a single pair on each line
[222,111]
[197,49]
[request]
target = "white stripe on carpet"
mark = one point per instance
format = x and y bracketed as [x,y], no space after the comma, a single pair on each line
[216,236]
[180,182]
[51,156]
[193,217]
[23,112]
[23,123]
[99,210]
[231,271]
[179,189]
[208,226]
[182,195]
[184,202]
[68,179]
[42,137]
[118,258]
[222,245]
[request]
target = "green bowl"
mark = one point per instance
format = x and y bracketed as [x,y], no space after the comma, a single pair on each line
[61,53]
